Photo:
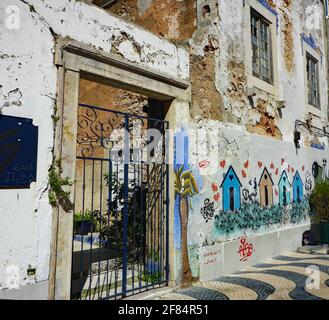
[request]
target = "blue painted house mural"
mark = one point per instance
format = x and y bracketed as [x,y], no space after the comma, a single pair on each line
[298,187]
[284,190]
[231,191]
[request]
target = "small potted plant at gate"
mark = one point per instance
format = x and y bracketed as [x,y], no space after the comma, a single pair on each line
[319,202]
[83,223]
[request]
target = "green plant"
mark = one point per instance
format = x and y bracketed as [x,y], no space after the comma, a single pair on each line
[112,224]
[151,278]
[86,217]
[56,193]
[319,202]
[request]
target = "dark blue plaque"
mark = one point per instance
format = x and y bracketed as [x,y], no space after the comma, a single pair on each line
[18,152]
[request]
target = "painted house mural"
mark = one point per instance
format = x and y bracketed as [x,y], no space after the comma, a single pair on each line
[212,210]
[298,188]
[266,189]
[231,191]
[284,190]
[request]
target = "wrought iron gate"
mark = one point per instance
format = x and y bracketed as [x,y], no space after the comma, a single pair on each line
[120,244]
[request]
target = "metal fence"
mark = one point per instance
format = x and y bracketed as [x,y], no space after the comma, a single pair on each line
[120,243]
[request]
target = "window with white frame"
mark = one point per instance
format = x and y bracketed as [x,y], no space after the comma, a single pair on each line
[312,69]
[261,47]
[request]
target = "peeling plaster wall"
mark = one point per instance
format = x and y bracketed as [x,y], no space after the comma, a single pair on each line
[251,134]
[216,43]
[173,19]
[28,89]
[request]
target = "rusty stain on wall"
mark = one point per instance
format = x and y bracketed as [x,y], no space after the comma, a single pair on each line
[236,89]
[267,124]
[174,20]
[206,100]
[96,94]
[288,40]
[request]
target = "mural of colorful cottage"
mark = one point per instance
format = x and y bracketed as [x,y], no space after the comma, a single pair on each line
[231,191]
[284,190]
[266,189]
[298,188]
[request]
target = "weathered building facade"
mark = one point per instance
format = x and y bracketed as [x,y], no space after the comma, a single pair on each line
[242,84]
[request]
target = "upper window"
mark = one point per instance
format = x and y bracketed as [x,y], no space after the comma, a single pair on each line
[312,66]
[261,47]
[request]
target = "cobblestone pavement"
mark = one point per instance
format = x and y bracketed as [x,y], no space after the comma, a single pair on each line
[281,278]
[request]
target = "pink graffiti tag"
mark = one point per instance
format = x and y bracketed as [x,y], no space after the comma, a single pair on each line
[246,250]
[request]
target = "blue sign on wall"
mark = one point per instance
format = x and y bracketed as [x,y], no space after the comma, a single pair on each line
[18,152]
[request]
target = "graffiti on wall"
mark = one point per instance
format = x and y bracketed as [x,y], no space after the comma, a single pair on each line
[208,210]
[245,200]
[319,172]
[245,249]
[250,196]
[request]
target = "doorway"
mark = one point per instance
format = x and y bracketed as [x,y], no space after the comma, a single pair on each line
[120,229]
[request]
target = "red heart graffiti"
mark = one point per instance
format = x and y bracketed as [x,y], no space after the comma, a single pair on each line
[260,164]
[246,164]
[223,164]
[303,168]
[216,197]
[282,162]
[214,187]
[277,172]
[276,192]
[289,168]
[244,175]
[272,165]
[292,170]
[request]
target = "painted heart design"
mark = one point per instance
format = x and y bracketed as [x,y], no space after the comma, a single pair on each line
[223,164]
[244,175]
[246,164]
[214,187]
[272,166]
[289,168]
[277,172]
[292,170]
[276,192]
[303,168]
[260,164]
[231,177]
[216,197]
[282,162]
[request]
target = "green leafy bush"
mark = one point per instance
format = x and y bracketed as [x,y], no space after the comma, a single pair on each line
[253,217]
[319,202]
[87,217]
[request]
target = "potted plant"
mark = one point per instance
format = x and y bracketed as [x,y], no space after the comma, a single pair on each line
[319,202]
[83,223]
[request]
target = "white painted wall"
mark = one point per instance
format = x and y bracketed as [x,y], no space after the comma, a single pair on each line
[28,89]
